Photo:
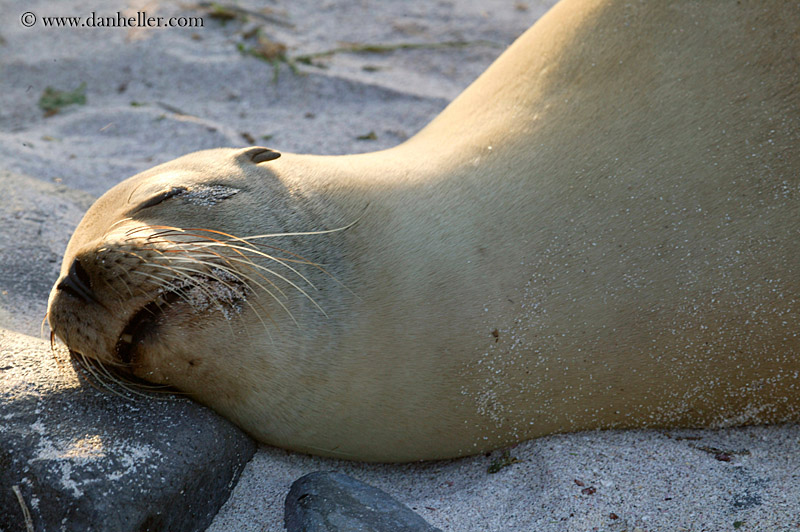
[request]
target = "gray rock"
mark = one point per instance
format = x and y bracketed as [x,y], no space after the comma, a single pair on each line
[36,220]
[327,501]
[82,459]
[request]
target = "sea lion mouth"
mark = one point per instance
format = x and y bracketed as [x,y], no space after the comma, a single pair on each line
[141,324]
[218,290]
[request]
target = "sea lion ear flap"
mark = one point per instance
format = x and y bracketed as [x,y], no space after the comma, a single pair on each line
[259,154]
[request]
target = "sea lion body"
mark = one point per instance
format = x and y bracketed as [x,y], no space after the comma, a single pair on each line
[603,231]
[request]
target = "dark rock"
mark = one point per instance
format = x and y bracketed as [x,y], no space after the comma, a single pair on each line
[83,459]
[327,501]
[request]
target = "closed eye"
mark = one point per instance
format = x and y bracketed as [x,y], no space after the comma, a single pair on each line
[158,198]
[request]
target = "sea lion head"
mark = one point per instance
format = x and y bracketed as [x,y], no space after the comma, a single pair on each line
[166,264]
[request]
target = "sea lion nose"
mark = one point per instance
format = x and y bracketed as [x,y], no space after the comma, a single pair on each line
[78,283]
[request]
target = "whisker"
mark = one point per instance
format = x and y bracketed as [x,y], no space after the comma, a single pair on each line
[302,260]
[252,247]
[197,257]
[208,242]
[214,299]
[281,277]
[205,252]
[245,281]
[147,227]
[54,351]
[41,329]
[103,379]
[275,235]
[239,249]
[112,226]
[233,273]
[180,291]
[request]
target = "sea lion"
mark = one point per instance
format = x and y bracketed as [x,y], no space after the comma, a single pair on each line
[602,231]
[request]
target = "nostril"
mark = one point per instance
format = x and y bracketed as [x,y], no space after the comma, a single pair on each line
[78,271]
[78,283]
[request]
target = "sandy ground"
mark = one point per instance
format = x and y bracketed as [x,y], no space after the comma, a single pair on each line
[156,93]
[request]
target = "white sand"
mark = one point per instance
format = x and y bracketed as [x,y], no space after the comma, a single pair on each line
[656,481]
[137,78]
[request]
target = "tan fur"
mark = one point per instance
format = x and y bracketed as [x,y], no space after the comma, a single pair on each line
[603,231]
